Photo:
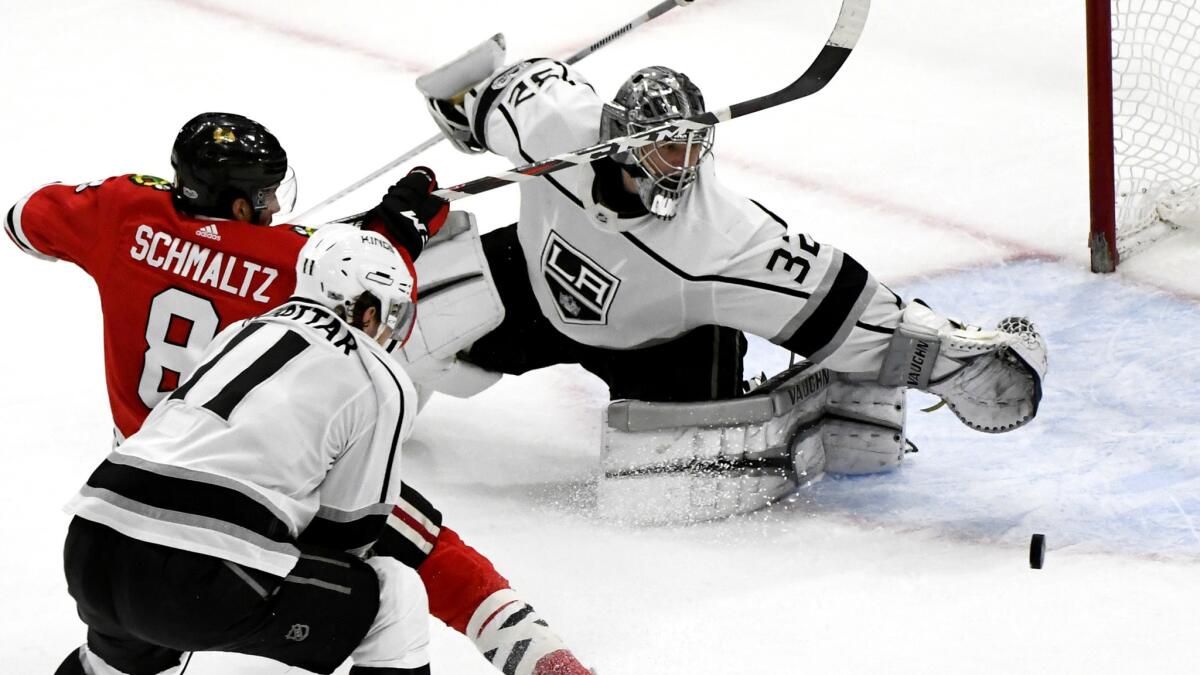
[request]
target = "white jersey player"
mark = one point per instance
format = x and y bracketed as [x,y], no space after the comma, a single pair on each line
[645,269]
[623,268]
[231,521]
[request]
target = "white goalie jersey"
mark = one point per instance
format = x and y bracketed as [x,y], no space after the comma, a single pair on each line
[625,281]
[289,429]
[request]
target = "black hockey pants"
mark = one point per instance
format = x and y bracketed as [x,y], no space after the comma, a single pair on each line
[701,365]
[145,604]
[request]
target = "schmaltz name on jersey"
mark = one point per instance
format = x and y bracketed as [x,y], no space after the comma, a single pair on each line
[222,271]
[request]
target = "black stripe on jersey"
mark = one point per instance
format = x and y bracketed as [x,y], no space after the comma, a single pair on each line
[10,224]
[392,544]
[267,364]
[387,472]
[420,504]
[875,329]
[525,155]
[714,277]
[771,213]
[895,298]
[865,326]
[344,536]
[192,497]
[483,105]
[566,77]
[822,326]
[246,332]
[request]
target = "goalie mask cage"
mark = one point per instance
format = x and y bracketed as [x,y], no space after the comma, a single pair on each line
[1144,123]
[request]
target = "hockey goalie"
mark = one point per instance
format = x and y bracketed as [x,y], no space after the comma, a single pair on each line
[647,271]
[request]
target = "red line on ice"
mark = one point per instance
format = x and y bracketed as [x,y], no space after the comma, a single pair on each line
[303,35]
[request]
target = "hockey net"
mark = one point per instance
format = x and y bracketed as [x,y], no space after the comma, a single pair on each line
[1146,144]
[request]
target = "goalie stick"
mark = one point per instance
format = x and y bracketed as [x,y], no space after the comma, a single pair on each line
[655,12]
[846,31]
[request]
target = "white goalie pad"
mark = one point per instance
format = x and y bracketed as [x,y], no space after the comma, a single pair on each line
[688,462]
[991,379]
[457,303]
[453,79]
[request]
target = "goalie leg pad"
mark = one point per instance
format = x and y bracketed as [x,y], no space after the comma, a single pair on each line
[863,428]
[457,303]
[687,462]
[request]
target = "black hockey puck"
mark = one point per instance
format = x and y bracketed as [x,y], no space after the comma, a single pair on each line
[1037,551]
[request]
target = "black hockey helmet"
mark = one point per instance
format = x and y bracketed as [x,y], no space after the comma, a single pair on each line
[219,157]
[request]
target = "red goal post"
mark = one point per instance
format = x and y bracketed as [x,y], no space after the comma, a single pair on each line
[1143,77]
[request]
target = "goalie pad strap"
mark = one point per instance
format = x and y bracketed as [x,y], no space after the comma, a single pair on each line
[910,358]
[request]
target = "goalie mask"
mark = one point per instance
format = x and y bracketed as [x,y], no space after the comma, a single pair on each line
[663,171]
[347,269]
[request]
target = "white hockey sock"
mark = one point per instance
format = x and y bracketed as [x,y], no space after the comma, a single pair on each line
[516,640]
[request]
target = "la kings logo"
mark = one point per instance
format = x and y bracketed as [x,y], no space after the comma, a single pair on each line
[582,290]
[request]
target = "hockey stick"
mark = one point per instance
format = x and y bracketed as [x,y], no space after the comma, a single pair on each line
[655,12]
[846,31]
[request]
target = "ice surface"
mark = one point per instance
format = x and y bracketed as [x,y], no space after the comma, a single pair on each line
[949,156]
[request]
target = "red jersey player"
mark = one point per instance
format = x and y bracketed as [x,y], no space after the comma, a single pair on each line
[176,262]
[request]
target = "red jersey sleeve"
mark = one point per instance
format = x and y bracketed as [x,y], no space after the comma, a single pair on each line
[167,282]
[63,222]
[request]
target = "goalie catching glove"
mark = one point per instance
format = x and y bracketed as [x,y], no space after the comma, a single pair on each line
[991,379]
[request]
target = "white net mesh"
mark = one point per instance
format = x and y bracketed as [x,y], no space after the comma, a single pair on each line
[1156,116]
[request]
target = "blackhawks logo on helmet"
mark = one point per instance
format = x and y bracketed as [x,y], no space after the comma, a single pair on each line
[151,182]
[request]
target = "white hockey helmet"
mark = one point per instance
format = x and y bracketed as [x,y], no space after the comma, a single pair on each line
[340,263]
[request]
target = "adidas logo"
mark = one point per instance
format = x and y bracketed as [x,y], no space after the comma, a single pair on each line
[209,232]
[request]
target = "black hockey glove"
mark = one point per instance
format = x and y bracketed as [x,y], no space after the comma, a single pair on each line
[413,194]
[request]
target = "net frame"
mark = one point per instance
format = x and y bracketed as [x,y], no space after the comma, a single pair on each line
[1144,123]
